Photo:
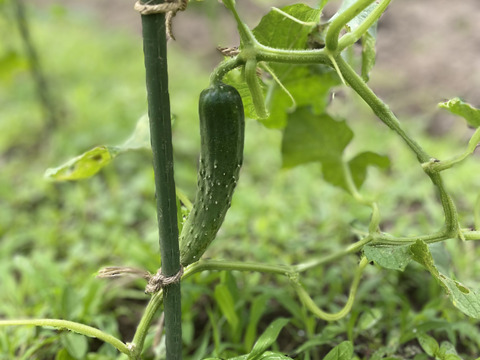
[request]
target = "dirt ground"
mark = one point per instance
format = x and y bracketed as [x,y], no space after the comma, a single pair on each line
[428,50]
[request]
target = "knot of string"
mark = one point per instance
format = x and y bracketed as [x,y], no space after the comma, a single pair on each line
[148,9]
[170,8]
[159,281]
[155,282]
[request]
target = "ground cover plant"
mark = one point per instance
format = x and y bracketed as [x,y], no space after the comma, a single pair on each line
[227,311]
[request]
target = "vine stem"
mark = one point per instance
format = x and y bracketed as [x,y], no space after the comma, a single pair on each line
[288,271]
[352,37]
[255,88]
[378,107]
[333,32]
[72,326]
[155,51]
[388,118]
[310,304]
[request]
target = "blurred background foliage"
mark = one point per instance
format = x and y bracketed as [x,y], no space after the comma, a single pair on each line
[54,237]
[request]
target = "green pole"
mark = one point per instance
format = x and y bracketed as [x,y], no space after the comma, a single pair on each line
[155,51]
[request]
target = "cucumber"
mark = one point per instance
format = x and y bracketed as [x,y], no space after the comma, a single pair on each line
[222,132]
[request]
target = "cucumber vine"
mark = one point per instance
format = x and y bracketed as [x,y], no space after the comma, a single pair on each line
[252,55]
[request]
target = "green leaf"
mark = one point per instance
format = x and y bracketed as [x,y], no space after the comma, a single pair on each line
[227,305]
[63,355]
[465,299]
[334,172]
[368,319]
[422,356]
[428,344]
[368,52]
[259,305]
[452,357]
[447,348]
[76,345]
[309,86]
[389,257]
[270,355]
[268,337]
[468,112]
[84,165]
[360,163]
[309,137]
[277,31]
[343,351]
[10,63]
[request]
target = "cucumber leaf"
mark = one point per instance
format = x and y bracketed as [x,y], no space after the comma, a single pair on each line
[465,299]
[389,257]
[309,85]
[277,31]
[359,164]
[458,107]
[309,137]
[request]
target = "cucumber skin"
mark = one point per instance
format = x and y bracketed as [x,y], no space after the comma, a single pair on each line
[222,132]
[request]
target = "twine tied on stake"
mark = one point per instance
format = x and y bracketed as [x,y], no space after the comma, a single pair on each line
[155,282]
[170,8]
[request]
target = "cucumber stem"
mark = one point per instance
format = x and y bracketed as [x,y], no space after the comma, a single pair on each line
[255,88]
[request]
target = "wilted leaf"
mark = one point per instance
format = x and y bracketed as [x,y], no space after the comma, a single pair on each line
[84,165]
[92,161]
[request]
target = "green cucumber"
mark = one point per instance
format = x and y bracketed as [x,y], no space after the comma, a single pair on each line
[222,132]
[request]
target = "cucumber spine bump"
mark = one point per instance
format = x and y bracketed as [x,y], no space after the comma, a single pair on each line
[222,133]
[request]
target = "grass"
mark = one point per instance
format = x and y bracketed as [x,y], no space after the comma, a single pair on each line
[55,237]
